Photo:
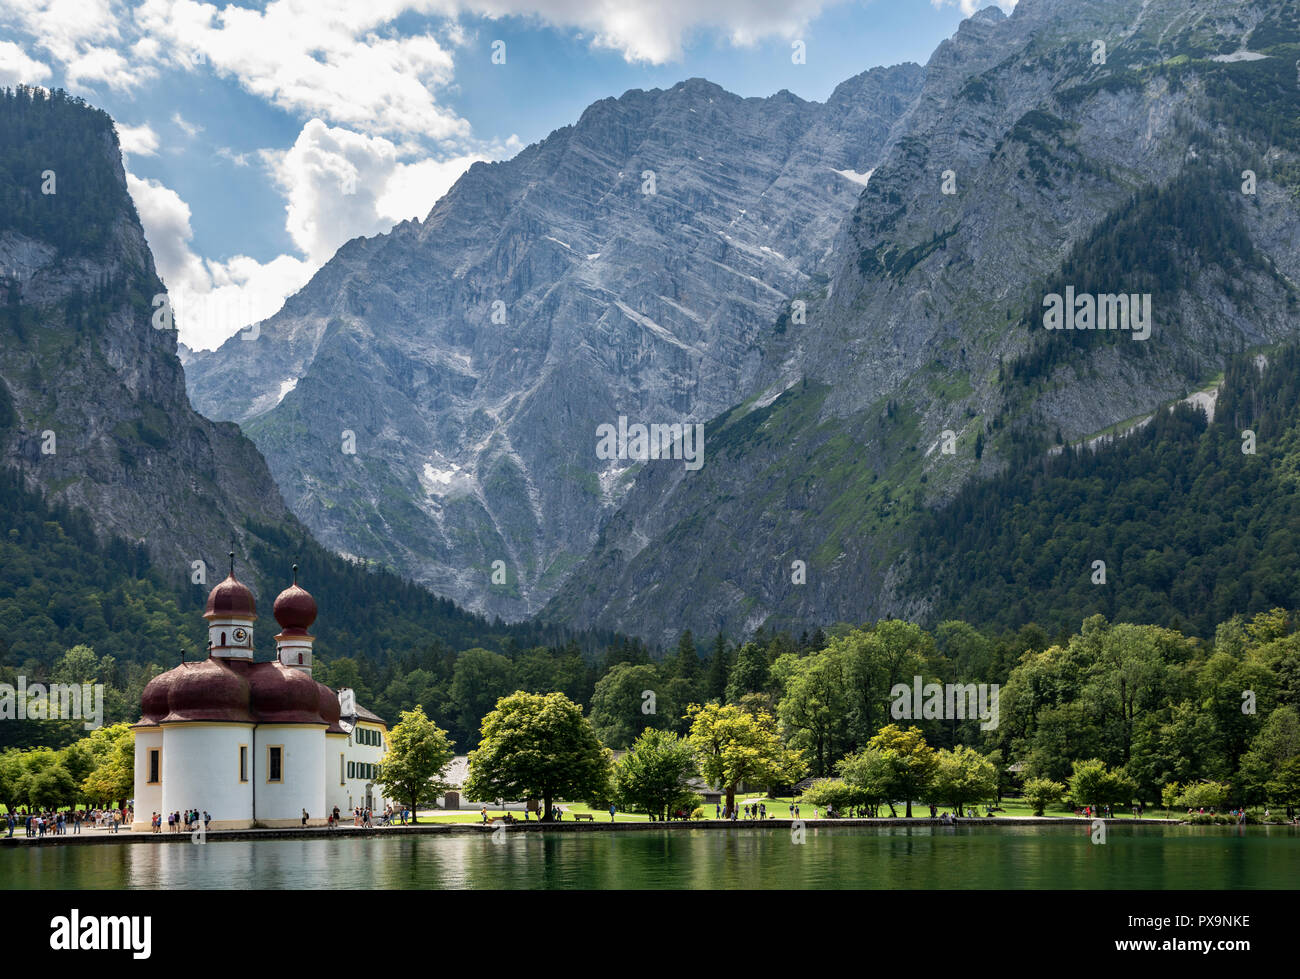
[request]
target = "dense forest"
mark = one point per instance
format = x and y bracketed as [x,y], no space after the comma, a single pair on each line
[1164,238]
[1120,713]
[62,132]
[1192,527]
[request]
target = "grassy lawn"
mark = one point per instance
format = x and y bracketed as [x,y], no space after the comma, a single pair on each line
[570,810]
[780,808]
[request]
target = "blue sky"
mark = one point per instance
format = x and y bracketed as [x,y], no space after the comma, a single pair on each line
[261,136]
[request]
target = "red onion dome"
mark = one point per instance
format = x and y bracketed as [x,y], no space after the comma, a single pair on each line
[210,690]
[295,609]
[231,597]
[153,702]
[284,695]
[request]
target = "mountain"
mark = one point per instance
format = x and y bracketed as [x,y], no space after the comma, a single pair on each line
[113,488]
[626,265]
[99,416]
[1106,171]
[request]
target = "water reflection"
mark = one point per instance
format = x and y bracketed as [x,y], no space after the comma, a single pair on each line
[737,857]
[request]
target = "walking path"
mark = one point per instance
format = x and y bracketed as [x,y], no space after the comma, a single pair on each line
[320,832]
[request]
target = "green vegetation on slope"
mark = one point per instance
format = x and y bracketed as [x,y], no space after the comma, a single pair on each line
[56,133]
[1192,530]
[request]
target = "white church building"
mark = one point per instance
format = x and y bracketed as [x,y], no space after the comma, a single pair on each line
[254,744]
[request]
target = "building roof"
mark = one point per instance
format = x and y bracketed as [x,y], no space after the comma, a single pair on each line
[294,609]
[369,715]
[230,597]
[240,692]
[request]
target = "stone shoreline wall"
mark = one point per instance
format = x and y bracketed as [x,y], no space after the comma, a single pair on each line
[98,837]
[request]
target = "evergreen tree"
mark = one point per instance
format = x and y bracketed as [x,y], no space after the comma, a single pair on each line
[715,682]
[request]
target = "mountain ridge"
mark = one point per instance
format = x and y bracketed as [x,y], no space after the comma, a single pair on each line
[632,264]
[928,303]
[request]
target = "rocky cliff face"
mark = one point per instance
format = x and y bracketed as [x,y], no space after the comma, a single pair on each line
[1027,165]
[431,398]
[96,413]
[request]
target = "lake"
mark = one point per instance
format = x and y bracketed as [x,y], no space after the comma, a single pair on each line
[1146,857]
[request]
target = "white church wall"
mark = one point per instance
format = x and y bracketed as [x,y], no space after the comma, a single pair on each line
[148,796]
[301,787]
[200,767]
[336,783]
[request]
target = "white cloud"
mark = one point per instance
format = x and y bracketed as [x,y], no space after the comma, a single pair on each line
[18,69]
[341,184]
[243,291]
[350,63]
[95,63]
[336,59]
[190,129]
[412,189]
[970,7]
[238,159]
[137,140]
[64,27]
[345,62]
[656,31]
[81,36]
[166,221]
[211,300]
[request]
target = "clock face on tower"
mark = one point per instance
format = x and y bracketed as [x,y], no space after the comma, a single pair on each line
[241,635]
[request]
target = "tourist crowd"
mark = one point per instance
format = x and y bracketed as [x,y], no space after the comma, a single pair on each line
[60,823]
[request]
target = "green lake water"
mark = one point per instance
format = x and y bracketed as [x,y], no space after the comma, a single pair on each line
[1155,857]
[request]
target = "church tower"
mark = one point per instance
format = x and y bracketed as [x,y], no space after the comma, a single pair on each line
[231,613]
[295,610]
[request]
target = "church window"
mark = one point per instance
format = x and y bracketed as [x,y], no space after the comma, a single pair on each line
[275,763]
[243,763]
[154,766]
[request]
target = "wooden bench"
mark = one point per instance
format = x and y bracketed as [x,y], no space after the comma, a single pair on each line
[584,815]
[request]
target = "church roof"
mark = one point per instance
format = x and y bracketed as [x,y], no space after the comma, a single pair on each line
[239,692]
[295,609]
[231,597]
